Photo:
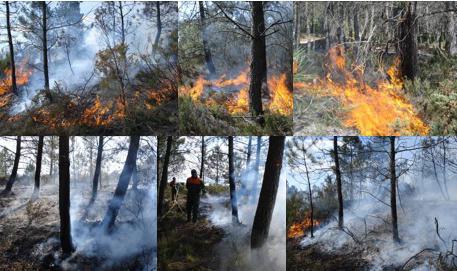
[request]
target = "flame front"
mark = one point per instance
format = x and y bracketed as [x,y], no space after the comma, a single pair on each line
[281,100]
[22,78]
[379,110]
[299,229]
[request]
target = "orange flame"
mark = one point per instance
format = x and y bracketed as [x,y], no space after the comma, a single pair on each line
[22,78]
[281,100]
[299,229]
[379,110]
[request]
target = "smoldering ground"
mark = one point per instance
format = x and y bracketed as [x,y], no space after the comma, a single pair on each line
[426,222]
[234,249]
[30,228]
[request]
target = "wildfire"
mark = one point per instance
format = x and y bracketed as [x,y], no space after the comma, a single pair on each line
[281,100]
[22,78]
[379,110]
[281,97]
[299,229]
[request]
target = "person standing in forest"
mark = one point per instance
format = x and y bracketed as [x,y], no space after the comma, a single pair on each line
[194,187]
[173,189]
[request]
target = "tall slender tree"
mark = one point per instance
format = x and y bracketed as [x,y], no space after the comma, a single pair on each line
[258,82]
[98,170]
[39,158]
[393,190]
[233,199]
[267,199]
[11,48]
[208,56]
[338,183]
[64,196]
[164,178]
[12,179]
[121,188]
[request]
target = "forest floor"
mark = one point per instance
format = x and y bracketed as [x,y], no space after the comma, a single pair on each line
[366,243]
[59,117]
[312,258]
[196,118]
[29,233]
[215,242]
[186,245]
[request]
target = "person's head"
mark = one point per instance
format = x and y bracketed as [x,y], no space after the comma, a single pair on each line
[174,179]
[193,172]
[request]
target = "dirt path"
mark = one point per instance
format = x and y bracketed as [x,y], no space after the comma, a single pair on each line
[187,246]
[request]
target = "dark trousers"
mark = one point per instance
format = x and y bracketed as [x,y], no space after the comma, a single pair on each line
[173,193]
[193,201]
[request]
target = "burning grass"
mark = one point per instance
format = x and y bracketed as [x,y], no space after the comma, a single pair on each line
[85,111]
[224,102]
[379,109]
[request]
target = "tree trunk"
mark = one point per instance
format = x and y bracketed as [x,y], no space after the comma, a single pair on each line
[98,169]
[297,23]
[233,199]
[202,164]
[51,159]
[407,41]
[267,199]
[39,158]
[204,34]
[159,25]
[122,185]
[11,48]
[17,156]
[338,183]
[163,180]
[451,35]
[44,38]
[356,23]
[248,157]
[258,82]
[256,167]
[393,190]
[135,178]
[310,195]
[158,162]
[64,196]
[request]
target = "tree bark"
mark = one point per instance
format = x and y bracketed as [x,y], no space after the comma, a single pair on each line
[122,185]
[356,23]
[451,35]
[163,180]
[256,166]
[44,38]
[393,190]
[39,158]
[297,23]
[11,48]
[64,196]
[98,169]
[202,164]
[159,25]
[208,57]
[233,199]
[258,82]
[310,195]
[17,156]
[267,199]
[248,156]
[338,183]
[51,159]
[407,41]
